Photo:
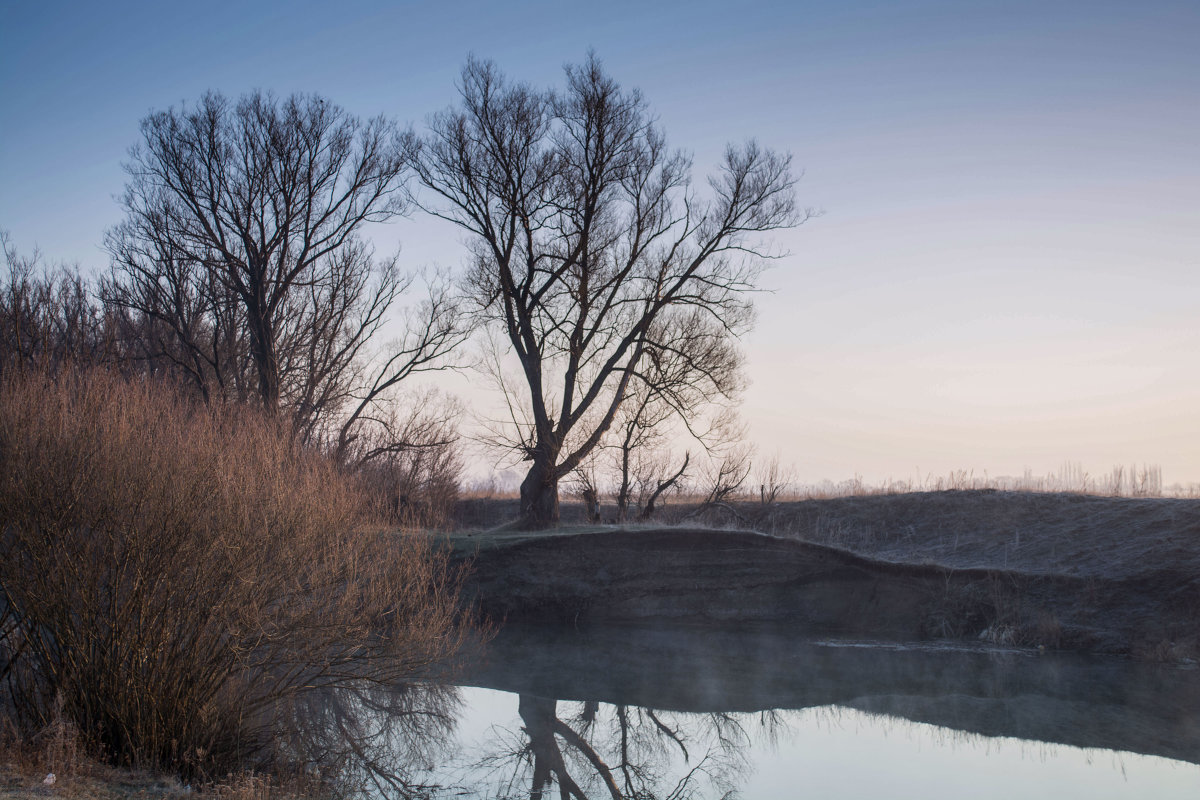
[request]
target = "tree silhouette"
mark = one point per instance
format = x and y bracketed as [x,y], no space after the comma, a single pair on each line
[586,235]
[240,268]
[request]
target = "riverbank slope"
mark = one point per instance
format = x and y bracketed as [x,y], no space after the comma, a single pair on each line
[1098,574]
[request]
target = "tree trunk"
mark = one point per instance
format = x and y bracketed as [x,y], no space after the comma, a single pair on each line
[539,496]
[262,345]
[623,494]
[648,510]
[541,722]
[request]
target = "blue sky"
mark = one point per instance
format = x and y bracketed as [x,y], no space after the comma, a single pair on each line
[1007,272]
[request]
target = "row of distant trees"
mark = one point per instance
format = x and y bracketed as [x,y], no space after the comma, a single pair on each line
[613,290]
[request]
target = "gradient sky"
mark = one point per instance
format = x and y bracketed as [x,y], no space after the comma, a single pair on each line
[1007,272]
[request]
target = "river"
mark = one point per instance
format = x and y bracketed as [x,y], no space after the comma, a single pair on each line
[756,713]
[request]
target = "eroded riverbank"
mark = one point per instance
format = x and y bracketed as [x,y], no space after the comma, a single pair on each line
[903,583]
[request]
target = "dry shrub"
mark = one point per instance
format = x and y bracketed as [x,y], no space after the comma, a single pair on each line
[413,490]
[407,457]
[179,575]
[1047,630]
[56,749]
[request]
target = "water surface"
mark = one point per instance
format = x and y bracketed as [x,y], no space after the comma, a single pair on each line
[755,713]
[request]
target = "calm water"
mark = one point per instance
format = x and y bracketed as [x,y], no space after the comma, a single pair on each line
[642,713]
[823,752]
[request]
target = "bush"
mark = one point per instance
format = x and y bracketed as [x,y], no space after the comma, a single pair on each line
[410,464]
[177,576]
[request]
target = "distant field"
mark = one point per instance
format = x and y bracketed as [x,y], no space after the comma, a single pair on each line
[1037,533]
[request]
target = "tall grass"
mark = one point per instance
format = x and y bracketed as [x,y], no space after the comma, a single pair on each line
[175,576]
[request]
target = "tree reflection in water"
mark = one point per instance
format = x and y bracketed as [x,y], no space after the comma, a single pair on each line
[623,752]
[372,740]
[380,742]
[388,742]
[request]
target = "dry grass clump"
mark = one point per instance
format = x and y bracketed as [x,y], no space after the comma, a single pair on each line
[177,575]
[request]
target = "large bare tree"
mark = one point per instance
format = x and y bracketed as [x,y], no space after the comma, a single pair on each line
[241,261]
[586,232]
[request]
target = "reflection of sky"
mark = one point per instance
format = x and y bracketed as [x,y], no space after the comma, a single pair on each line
[1008,272]
[837,752]
[846,753]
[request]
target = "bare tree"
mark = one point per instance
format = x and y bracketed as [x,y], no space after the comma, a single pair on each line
[728,468]
[240,259]
[48,315]
[639,431]
[407,456]
[586,232]
[585,484]
[693,366]
[774,479]
[656,481]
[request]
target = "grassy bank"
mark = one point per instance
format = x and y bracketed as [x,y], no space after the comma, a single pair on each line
[1082,572]
[26,770]
[1056,533]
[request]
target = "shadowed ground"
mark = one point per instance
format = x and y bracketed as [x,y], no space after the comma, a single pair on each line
[1113,575]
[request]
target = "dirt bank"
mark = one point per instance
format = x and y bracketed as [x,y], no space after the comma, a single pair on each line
[1094,574]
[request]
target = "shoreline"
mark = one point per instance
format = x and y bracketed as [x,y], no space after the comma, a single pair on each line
[1144,603]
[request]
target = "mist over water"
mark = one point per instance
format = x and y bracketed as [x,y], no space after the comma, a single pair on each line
[643,712]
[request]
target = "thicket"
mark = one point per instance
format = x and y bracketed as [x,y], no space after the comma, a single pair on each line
[403,447]
[176,576]
[185,576]
[205,455]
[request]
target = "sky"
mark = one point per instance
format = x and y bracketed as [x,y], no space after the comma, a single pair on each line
[1005,275]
